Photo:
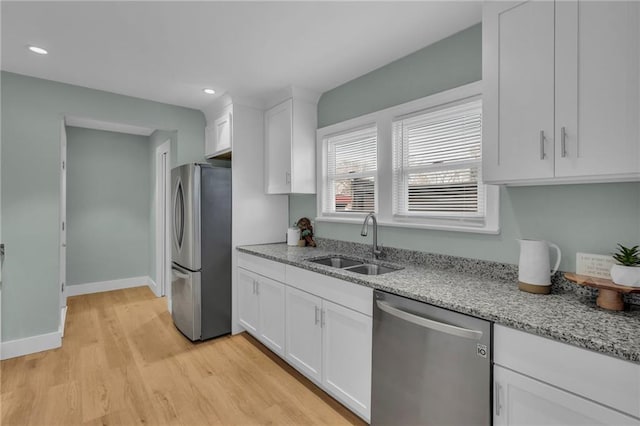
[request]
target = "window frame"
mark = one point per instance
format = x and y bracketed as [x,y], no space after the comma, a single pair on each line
[402,172]
[385,182]
[323,182]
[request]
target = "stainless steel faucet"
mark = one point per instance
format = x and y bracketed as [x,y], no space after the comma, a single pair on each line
[375,252]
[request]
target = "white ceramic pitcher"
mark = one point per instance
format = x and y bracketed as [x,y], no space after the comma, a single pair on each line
[534,272]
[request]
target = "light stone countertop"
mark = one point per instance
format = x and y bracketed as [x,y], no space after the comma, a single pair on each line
[566,317]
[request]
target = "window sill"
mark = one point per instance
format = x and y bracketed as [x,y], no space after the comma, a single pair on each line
[480,229]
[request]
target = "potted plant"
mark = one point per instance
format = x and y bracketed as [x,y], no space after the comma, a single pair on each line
[627,271]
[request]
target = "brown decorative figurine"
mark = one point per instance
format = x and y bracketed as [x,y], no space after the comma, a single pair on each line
[306,231]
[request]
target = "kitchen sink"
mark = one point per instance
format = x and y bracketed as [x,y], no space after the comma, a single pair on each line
[336,261]
[371,269]
[354,265]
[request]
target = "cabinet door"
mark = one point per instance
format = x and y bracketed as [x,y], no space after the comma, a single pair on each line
[518,98]
[209,141]
[223,132]
[520,400]
[597,88]
[271,312]
[304,335]
[248,301]
[219,136]
[278,136]
[346,356]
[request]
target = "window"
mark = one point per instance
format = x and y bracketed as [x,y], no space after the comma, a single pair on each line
[351,168]
[437,163]
[417,165]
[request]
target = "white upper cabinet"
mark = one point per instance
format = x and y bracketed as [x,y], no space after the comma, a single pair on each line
[597,88]
[561,92]
[290,128]
[278,123]
[518,95]
[219,136]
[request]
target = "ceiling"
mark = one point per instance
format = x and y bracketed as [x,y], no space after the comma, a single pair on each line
[170,51]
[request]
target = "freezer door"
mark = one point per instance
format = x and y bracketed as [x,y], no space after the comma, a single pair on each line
[185,301]
[185,184]
[431,366]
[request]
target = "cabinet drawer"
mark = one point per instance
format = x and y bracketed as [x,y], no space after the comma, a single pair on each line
[353,296]
[264,267]
[609,381]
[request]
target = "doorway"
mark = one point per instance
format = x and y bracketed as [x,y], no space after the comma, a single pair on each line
[160,252]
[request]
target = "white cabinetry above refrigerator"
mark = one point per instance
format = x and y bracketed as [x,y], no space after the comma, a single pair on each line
[219,136]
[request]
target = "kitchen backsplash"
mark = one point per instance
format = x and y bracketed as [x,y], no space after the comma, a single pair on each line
[481,268]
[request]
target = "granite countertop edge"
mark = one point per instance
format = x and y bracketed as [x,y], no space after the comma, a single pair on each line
[552,328]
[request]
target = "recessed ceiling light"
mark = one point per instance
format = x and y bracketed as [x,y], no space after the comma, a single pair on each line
[209,91]
[38,50]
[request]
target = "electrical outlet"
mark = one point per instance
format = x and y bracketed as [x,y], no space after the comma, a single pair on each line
[594,265]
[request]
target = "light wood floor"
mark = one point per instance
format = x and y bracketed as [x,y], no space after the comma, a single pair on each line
[122,362]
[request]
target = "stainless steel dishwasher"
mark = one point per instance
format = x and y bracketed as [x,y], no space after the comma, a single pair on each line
[431,366]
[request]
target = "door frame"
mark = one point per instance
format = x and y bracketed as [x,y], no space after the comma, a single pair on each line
[90,123]
[163,224]
[62,225]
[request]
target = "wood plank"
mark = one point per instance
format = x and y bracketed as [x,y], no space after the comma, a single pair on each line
[123,362]
[601,283]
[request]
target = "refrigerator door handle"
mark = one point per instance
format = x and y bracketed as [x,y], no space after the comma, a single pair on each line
[179,274]
[431,324]
[178,215]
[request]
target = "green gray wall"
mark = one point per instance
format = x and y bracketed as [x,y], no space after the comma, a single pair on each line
[108,205]
[449,63]
[590,218]
[32,110]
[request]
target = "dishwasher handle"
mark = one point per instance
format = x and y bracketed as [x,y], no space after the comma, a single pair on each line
[431,324]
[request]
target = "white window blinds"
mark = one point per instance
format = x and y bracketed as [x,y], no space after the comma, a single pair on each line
[352,163]
[437,163]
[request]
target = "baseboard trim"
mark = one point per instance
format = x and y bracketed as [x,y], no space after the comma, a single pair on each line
[100,286]
[30,345]
[63,320]
[153,286]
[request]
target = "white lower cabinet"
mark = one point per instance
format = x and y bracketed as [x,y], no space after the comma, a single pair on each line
[261,309]
[304,332]
[539,381]
[247,301]
[271,324]
[320,325]
[520,400]
[331,344]
[346,356]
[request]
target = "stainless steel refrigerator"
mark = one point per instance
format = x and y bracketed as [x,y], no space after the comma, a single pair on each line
[201,250]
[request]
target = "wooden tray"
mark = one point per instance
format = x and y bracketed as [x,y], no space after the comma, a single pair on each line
[609,293]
